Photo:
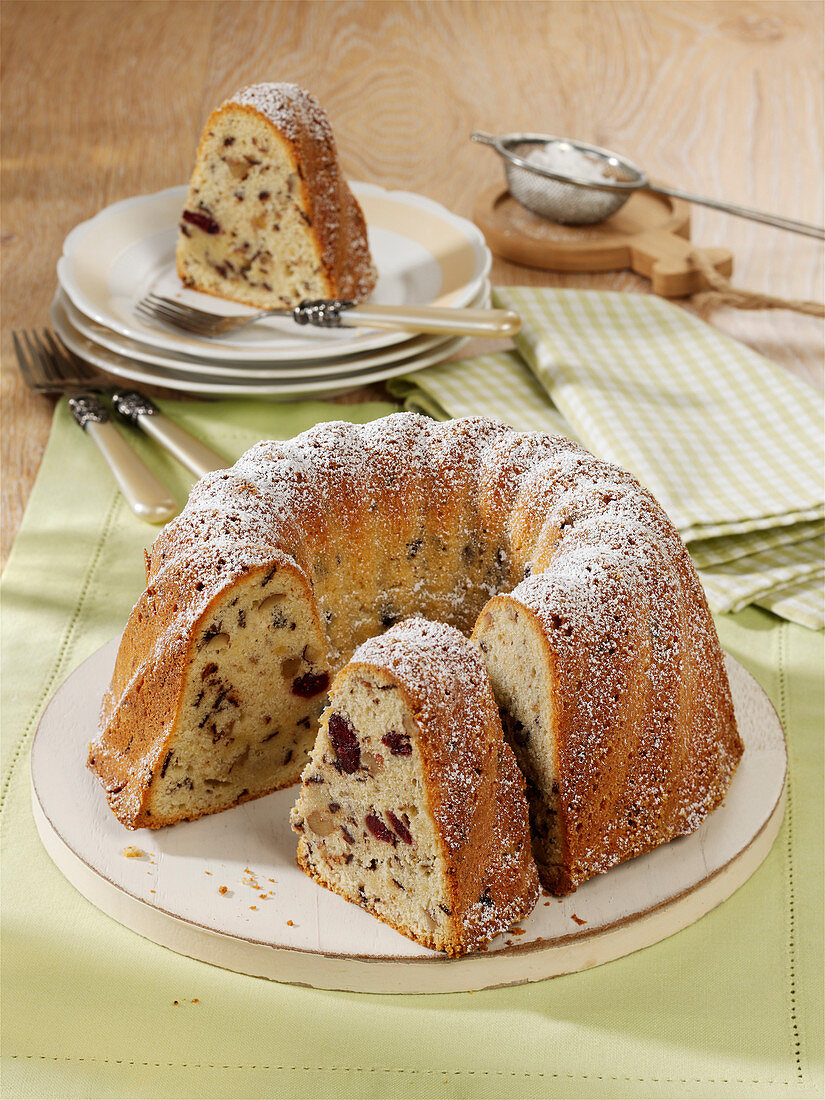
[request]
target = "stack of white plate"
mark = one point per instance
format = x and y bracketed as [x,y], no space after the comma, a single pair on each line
[424,255]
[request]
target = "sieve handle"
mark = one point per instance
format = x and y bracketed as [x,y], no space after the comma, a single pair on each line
[743,212]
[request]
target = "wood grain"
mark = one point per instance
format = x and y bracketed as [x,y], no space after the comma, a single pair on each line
[103,101]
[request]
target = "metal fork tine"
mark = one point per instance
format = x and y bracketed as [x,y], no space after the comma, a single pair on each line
[47,362]
[184,318]
[190,324]
[23,363]
[158,309]
[83,370]
[193,320]
[198,321]
[180,310]
[68,367]
[36,358]
[55,358]
[156,316]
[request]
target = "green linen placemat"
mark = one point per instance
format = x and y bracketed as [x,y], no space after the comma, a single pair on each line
[731,1006]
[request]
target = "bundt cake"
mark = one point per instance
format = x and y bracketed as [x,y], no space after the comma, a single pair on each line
[269,218]
[412,805]
[612,647]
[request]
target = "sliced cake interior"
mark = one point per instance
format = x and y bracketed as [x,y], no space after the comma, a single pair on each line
[227,743]
[412,805]
[521,667]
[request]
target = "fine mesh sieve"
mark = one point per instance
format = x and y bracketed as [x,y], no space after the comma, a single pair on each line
[571,199]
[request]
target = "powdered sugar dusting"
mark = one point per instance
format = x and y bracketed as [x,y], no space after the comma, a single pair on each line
[290,108]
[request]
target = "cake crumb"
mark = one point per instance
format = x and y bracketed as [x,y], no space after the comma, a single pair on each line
[131,852]
[195,1001]
[253,906]
[291,923]
[578,920]
[223,889]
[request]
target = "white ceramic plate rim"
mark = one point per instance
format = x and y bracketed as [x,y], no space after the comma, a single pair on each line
[130,349]
[120,367]
[81,253]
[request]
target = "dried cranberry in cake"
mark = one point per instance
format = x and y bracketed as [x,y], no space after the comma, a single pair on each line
[269,218]
[378,829]
[345,743]
[399,826]
[397,743]
[439,814]
[202,221]
[310,684]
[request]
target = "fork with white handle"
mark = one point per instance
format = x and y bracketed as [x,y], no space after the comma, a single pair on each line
[46,367]
[337,312]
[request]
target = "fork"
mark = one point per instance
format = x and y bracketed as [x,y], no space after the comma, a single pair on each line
[70,371]
[148,497]
[335,312]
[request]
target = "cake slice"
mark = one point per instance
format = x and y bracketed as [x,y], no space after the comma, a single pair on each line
[222,705]
[412,805]
[269,218]
[649,751]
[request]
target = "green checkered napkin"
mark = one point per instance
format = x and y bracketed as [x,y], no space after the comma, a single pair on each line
[729,443]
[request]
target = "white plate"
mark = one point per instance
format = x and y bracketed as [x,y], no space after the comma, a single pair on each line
[424,254]
[299,932]
[252,370]
[248,384]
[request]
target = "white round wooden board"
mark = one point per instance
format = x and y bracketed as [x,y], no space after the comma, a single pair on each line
[274,922]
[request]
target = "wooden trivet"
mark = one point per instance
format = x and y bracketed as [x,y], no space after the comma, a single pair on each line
[650,235]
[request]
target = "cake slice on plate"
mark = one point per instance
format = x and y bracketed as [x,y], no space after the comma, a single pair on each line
[412,805]
[269,218]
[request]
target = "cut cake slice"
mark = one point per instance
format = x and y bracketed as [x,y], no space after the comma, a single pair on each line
[269,219]
[412,805]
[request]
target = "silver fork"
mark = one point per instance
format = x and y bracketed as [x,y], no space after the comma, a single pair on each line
[148,497]
[335,312]
[70,370]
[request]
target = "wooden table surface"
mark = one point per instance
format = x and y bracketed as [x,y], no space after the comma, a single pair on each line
[106,100]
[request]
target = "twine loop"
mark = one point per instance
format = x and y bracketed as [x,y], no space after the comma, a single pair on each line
[723,294]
